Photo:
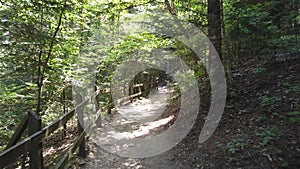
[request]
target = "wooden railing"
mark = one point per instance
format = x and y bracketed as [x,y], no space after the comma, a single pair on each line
[33,143]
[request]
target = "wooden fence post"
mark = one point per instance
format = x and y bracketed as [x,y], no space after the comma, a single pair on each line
[80,124]
[156,83]
[110,105]
[97,107]
[35,151]
[146,84]
[110,100]
[139,91]
[65,110]
[131,90]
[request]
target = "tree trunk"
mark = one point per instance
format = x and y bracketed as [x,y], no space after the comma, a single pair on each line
[214,25]
[225,54]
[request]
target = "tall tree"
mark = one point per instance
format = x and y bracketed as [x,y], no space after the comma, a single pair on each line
[214,25]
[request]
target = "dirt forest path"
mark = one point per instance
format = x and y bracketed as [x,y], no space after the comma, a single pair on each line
[259,127]
[136,119]
[142,118]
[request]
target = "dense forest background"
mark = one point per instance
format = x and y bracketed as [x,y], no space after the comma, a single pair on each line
[41,40]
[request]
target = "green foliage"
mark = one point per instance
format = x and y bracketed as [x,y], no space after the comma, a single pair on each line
[262,117]
[238,144]
[7,127]
[285,164]
[266,101]
[230,159]
[258,70]
[260,29]
[270,102]
[218,144]
[294,116]
[267,135]
[294,113]
[194,11]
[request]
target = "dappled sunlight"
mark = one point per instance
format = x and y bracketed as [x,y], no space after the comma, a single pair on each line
[53,149]
[142,131]
[135,119]
[132,163]
[146,109]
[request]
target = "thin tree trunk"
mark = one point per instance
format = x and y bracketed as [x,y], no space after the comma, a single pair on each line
[214,25]
[43,67]
[39,73]
[225,47]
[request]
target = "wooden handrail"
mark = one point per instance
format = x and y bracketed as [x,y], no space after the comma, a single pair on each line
[9,155]
[63,161]
[15,150]
[19,131]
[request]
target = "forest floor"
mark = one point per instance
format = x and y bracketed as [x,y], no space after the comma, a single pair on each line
[259,127]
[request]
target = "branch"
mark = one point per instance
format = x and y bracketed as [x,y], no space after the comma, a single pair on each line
[53,39]
[169,7]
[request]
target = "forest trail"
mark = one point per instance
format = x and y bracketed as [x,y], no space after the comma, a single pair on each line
[50,49]
[259,128]
[136,119]
[139,119]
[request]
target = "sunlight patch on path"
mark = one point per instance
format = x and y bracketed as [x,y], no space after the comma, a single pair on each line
[142,131]
[146,110]
[135,119]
